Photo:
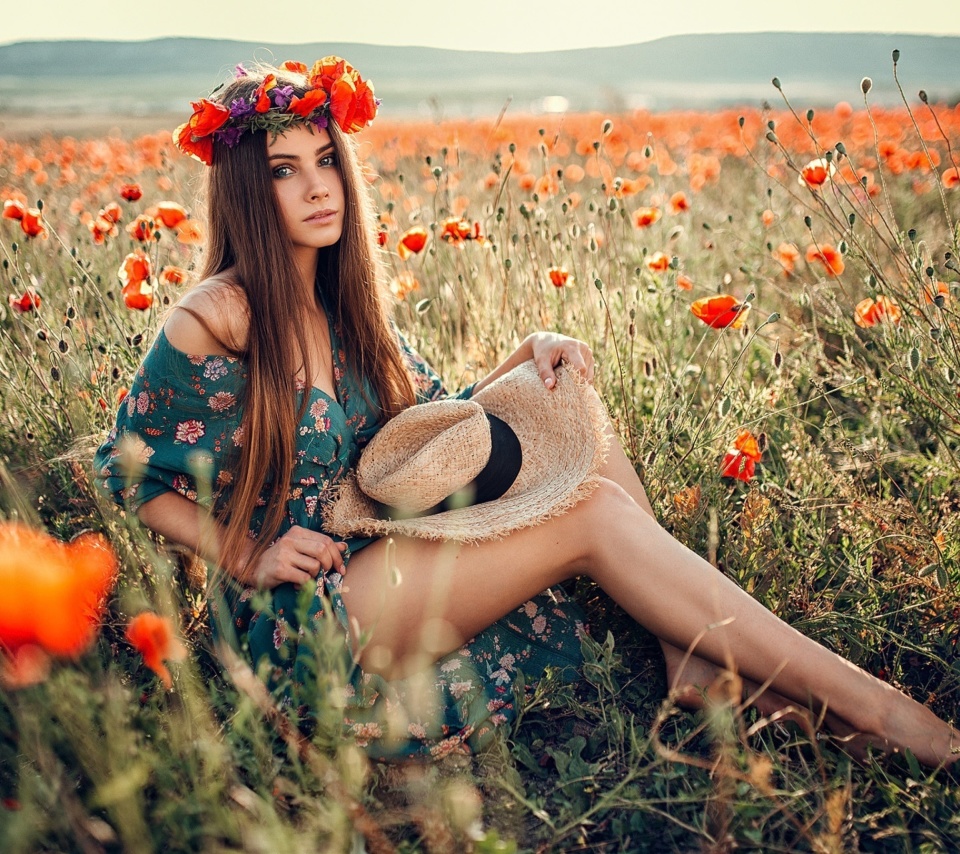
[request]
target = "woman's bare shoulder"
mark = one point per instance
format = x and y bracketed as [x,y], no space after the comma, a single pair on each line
[210,319]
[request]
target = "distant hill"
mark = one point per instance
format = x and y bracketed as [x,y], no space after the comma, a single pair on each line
[160,76]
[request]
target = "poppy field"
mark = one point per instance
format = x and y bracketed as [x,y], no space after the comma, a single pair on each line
[773,299]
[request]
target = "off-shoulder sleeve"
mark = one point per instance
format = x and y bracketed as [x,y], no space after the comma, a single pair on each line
[179,426]
[427,382]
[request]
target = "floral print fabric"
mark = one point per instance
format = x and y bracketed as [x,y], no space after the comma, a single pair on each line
[179,429]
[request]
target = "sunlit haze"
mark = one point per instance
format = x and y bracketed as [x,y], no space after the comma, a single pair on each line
[501,25]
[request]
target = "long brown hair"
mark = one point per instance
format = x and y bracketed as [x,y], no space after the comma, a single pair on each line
[246,236]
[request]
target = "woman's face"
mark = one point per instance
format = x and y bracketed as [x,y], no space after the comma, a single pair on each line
[306,178]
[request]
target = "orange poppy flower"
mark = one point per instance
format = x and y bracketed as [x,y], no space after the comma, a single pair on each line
[308,103]
[28,301]
[14,209]
[559,276]
[456,230]
[412,241]
[951,177]
[746,443]
[787,255]
[153,637]
[721,311]
[100,229]
[131,192]
[171,275]
[189,232]
[657,262]
[404,284]
[827,256]
[816,173]
[644,217]
[939,289]
[135,268]
[573,174]
[870,312]
[60,589]
[169,214]
[768,217]
[684,282]
[679,202]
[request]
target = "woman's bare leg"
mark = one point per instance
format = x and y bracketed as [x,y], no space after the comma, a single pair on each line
[447,594]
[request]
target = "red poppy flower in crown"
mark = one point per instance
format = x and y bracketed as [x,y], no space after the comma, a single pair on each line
[332,90]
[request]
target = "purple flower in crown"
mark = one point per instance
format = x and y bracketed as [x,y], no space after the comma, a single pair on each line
[240,109]
[319,121]
[281,96]
[239,71]
[230,136]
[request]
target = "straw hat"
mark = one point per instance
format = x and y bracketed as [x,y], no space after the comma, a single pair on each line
[411,474]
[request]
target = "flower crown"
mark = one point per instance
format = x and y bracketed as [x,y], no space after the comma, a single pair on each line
[335,90]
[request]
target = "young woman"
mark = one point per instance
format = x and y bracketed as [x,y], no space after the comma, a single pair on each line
[272,374]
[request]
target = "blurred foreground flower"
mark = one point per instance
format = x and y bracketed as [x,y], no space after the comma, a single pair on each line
[721,311]
[559,276]
[29,300]
[404,284]
[644,217]
[951,177]
[153,637]
[827,256]
[741,460]
[869,312]
[53,597]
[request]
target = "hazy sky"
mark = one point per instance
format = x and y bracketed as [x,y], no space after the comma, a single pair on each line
[509,25]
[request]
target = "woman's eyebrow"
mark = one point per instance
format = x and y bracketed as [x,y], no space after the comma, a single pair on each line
[283,156]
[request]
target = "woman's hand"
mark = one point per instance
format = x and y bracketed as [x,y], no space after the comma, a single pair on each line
[299,556]
[550,348]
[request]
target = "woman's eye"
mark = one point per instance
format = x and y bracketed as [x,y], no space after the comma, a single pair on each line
[328,160]
[282,171]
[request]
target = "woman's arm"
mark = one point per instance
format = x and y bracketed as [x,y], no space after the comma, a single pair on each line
[297,557]
[547,349]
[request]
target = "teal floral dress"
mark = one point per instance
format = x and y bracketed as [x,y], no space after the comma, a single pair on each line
[181,426]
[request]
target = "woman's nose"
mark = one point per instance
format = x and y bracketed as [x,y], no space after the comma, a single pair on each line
[318,188]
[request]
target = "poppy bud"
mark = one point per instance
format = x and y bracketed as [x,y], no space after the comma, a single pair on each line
[922,95]
[896,56]
[776,82]
[866,85]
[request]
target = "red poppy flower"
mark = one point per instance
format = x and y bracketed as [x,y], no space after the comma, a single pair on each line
[816,173]
[112,212]
[294,67]
[383,235]
[827,256]
[870,312]
[308,103]
[352,102]
[153,637]
[171,275]
[143,228]
[456,230]
[137,296]
[721,311]
[403,284]
[559,276]
[32,224]
[658,262]
[169,214]
[60,589]
[100,229]
[189,232]
[261,100]
[28,301]
[14,209]
[194,137]
[412,241]
[135,268]
[644,217]
[768,217]
[938,289]
[951,177]
[684,282]
[131,192]
[738,466]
